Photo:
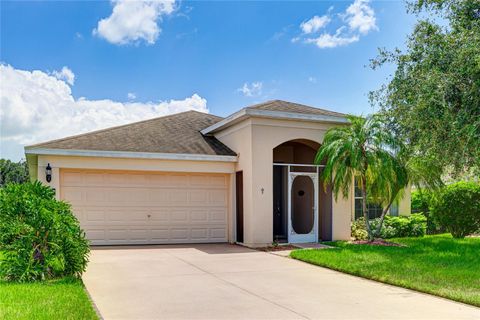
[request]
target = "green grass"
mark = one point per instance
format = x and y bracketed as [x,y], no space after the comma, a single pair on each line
[439,264]
[59,299]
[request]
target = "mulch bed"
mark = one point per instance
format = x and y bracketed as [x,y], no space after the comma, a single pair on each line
[378,242]
[279,248]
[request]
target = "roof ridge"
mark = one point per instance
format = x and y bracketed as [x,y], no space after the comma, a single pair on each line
[116,127]
[269,102]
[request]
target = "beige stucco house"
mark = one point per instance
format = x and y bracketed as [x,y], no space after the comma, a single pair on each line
[194,177]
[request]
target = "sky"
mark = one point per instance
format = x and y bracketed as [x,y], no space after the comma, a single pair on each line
[69,67]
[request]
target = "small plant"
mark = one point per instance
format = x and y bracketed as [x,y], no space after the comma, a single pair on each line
[40,238]
[359,229]
[457,208]
[274,243]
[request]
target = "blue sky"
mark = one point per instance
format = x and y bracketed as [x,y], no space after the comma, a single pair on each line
[219,55]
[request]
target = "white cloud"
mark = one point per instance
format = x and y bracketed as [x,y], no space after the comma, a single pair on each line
[134,20]
[65,74]
[131,96]
[314,24]
[36,106]
[357,20]
[312,79]
[253,89]
[327,40]
[360,16]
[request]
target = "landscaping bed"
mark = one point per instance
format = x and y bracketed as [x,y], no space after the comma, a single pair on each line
[438,265]
[282,247]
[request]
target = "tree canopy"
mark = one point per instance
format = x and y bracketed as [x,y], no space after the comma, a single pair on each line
[432,100]
[367,152]
[16,172]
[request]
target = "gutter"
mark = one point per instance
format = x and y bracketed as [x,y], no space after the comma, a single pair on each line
[131,155]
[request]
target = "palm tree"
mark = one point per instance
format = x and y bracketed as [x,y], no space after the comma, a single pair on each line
[366,151]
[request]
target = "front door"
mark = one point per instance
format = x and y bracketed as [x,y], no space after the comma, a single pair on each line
[279,204]
[303,207]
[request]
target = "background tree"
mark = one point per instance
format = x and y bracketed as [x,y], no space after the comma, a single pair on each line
[16,172]
[433,98]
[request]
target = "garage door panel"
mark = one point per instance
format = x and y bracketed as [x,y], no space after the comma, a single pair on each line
[218,216]
[158,180]
[178,180]
[199,233]
[218,181]
[199,216]
[94,215]
[74,195]
[198,196]
[178,196]
[157,196]
[179,234]
[130,208]
[139,234]
[72,178]
[95,195]
[218,197]
[179,216]
[218,233]
[96,236]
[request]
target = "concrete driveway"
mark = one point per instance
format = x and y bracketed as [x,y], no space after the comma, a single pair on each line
[221,281]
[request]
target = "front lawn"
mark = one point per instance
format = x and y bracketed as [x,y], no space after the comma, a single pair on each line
[56,299]
[439,264]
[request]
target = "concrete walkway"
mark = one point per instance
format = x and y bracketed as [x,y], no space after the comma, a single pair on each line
[223,281]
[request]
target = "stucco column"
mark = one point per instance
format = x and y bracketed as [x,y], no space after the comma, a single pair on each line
[262,193]
[342,210]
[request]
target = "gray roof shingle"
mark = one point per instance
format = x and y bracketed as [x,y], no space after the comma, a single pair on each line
[176,133]
[285,106]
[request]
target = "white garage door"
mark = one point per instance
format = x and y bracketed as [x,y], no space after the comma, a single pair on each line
[145,208]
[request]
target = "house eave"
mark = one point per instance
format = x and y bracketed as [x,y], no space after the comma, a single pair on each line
[129,154]
[246,113]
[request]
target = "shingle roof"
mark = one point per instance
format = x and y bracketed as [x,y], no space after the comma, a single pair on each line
[177,133]
[285,106]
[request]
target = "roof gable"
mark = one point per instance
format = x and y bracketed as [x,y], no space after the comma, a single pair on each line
[280,110]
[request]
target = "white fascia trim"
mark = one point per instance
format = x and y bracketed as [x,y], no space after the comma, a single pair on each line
[132,155]
[244,113]
[231,119]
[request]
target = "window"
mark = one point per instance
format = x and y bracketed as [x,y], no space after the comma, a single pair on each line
[394,209]
[374,210]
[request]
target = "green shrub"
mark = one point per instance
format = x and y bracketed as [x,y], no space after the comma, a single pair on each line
[393,227]
[421,200]
[40,238]
[457,208]
[421,203]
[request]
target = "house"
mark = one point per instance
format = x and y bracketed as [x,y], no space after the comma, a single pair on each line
[194,177]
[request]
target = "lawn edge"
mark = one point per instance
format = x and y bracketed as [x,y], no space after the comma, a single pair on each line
[477,306]
[94,305]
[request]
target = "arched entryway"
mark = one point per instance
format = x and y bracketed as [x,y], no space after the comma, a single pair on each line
[301,208]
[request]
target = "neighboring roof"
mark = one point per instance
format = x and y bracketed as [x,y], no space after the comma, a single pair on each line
[285,106]
[174,134]
[279,109]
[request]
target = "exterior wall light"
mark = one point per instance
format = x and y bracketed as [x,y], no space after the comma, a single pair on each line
[48,173]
